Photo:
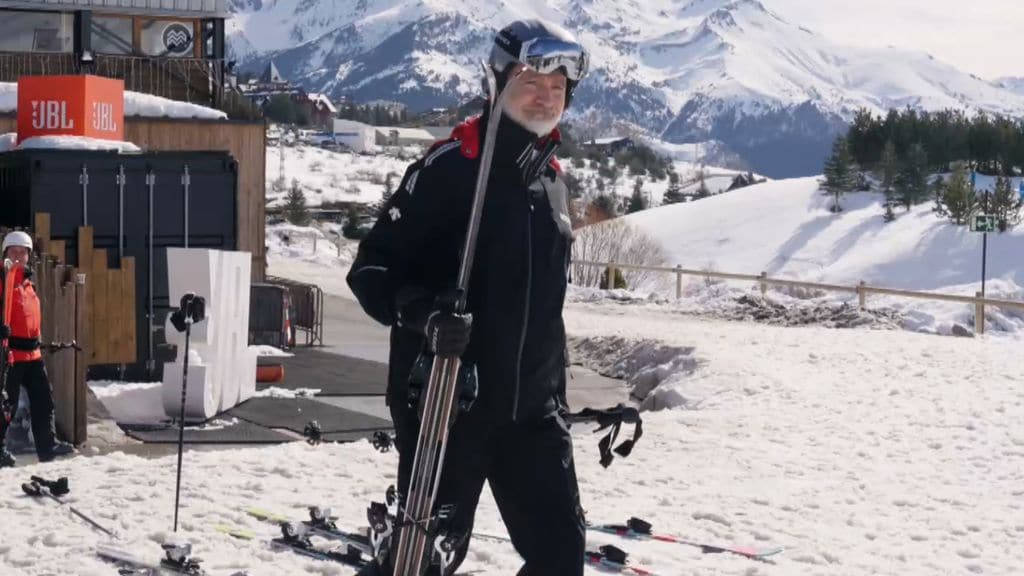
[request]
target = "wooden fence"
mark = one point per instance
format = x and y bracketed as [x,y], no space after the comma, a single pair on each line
[861,290]
[63,299]
[110,307]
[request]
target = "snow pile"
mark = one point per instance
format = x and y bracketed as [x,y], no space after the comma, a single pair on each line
[8,142]
[131,402]
[135,104]
[270,351]
[275,392]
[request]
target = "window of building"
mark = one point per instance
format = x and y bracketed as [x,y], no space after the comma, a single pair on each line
[111,35]
[36,32]
[166,38]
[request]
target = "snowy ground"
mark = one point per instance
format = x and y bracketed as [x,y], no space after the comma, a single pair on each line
[862,451]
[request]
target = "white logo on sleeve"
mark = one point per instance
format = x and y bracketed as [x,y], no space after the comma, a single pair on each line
[395,213]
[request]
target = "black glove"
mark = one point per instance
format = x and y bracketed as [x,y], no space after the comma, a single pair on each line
[448,333]
[5,331]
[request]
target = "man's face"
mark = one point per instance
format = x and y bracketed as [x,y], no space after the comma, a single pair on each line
[19,254]
[536,101]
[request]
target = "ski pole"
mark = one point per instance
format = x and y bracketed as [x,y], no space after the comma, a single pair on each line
[40,487]
[181,422]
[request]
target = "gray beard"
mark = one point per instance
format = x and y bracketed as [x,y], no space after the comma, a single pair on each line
[538,127]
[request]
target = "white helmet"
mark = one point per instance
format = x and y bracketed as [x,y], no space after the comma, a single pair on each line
[17,238]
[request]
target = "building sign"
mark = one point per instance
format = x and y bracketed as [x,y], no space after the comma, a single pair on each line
[70,106]
[178,39]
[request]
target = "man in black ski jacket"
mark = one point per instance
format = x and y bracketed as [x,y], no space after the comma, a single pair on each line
[513,334]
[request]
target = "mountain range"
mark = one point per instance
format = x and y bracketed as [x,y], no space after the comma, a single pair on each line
[728,72]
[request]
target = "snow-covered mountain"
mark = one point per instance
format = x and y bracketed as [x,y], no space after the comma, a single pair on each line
[1011,83]
[690,71]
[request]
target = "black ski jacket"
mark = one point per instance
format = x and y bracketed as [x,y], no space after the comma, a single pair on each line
[517,287]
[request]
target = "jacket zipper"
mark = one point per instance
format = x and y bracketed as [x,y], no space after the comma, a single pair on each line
[526,311]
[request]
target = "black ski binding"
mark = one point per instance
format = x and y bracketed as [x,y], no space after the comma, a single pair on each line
[382,441]
[314,433]
[178,557]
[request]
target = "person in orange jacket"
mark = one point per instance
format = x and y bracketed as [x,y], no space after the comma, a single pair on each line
[25,366]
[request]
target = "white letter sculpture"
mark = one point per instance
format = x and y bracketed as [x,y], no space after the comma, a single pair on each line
[221,366]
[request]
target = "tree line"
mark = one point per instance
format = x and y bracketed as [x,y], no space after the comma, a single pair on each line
[905,155]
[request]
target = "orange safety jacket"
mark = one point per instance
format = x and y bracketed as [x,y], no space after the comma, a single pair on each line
[25,319]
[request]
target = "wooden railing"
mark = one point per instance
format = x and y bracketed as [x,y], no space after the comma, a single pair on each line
[861,290]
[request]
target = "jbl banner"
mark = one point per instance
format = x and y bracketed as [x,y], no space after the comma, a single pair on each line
[70,106]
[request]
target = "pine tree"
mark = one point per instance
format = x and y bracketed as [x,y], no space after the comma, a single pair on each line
[674,194]
[350,229]
[295,208]
[956,199]
[1006,204]
[912,179]
[840,172]
[890,166]
[637,202]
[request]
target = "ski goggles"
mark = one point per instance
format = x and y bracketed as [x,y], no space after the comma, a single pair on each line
[547,55]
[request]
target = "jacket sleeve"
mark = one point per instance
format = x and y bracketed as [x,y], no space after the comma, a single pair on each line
[379,276]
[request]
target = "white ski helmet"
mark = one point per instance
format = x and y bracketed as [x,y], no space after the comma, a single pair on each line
[17,238]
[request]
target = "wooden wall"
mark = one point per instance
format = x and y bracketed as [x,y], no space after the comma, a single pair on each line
[245,140]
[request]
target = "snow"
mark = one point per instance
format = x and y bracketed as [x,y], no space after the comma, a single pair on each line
[8,143]
[131,402]
[291,254]
[269,351]
[330,176]
[860,451]
[135,104]
[785,229]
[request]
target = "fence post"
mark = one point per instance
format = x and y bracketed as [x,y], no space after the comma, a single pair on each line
[764,284]
[862,294]
[314,244]
[679,281]
[611,276]
[979,314]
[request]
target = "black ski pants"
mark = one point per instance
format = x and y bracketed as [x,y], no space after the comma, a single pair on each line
[530,468]
[32,375]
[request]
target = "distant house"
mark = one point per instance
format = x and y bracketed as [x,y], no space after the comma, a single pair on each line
[610,146]
[393,136]
[356,135]
[321,110]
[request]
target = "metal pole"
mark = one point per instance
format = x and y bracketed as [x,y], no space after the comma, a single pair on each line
[120,179]
[83,179]
[151,361]
[984,261]
[186,181]
[181,423]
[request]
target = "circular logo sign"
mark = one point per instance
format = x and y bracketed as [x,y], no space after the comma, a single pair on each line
[178,39]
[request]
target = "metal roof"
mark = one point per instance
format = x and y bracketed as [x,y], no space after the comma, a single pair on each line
[184,8]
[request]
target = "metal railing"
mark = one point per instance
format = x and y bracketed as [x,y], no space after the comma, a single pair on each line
[861,290]
[195,80]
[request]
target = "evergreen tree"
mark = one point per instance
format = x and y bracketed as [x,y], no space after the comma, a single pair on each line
[840,172]
[956,199]
[1006,204]
[912,179]
[350,229]
[637,202]
[295,209]
[889,167]
[674,194]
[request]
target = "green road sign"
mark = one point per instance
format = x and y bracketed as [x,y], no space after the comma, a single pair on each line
[983,223]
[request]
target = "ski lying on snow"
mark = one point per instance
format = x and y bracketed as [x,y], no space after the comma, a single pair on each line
[319,524]
[302,545]
[637,529]
[176,562]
